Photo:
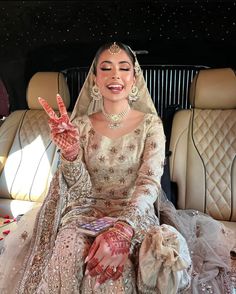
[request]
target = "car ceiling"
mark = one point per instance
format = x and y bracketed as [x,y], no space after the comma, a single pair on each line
[57,35]
[70,31]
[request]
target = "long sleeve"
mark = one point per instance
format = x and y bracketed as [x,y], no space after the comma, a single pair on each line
[77,181]
[139,213]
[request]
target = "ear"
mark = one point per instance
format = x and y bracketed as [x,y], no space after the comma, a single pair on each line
[94,79]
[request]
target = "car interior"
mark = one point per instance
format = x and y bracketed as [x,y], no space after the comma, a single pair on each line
[186,50]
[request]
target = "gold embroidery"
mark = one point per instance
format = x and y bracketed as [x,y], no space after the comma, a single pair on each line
[113,150]
[131,147]
[107,203]
[91,132]
[112,193]
[24,235]
[150,173]
[122,180]
[102,158]
[95,170]
[94,146]
[153,145]
[121,158]
[130,171]
[125,193]
[83,137]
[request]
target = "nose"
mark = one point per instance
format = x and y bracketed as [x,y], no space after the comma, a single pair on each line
[115,74]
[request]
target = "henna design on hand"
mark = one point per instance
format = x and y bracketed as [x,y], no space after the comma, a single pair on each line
[117,242]
[64,134]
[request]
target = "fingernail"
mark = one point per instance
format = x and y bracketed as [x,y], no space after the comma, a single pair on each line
[86,259]
[86,272]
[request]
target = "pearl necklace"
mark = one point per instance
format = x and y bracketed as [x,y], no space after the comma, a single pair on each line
[115,119]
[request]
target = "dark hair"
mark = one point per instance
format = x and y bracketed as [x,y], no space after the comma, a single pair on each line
[106,47]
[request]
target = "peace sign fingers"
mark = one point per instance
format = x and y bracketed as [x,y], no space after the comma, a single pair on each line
[61,107]
[51,113]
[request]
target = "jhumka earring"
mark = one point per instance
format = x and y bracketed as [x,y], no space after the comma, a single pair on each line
[134,94]
[95,93]
[114,49]
[137,68]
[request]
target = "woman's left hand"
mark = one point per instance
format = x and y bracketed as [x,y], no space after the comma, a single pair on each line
[109,253]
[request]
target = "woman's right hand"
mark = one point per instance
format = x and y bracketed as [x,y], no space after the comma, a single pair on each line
[64,134]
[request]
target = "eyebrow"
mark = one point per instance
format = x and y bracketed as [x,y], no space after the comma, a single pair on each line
[121,62]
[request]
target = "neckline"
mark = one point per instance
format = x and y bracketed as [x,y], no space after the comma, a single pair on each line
[122,136]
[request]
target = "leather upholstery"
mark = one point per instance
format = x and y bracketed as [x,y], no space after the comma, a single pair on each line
[203,146]
[28,158]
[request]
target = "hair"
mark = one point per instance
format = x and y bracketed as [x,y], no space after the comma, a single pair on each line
[106,47]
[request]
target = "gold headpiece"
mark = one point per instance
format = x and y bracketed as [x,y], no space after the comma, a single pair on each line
[114,48]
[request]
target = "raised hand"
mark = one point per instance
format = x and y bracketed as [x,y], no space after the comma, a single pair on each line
[109,253]
[64,134]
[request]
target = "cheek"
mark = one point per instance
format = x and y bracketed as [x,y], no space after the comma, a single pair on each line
[130,77]
[101,79]
[130,80]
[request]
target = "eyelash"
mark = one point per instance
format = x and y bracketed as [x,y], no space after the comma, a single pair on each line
[106,69]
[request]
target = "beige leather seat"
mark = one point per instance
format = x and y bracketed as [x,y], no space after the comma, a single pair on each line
[28,158]
[203,146]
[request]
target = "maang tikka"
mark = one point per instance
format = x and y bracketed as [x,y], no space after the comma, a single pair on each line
[114,48]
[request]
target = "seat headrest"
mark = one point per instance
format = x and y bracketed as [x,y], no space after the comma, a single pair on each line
[47,85]
[214,89]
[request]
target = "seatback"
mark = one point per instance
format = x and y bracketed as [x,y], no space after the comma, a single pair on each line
[203,146]
[28,158]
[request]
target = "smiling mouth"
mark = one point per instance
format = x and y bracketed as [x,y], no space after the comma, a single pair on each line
[115,88]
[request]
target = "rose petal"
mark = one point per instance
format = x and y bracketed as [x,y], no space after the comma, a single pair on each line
[7,221]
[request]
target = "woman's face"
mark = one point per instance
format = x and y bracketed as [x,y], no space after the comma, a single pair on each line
[115,75]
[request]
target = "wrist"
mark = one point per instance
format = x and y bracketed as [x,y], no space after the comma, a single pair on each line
[70,153]
[124,229]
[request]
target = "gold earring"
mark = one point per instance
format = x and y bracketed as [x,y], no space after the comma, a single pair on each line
[134,94]
[95,93]
[137,68]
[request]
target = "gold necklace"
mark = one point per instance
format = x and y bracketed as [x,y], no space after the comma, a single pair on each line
[115,119]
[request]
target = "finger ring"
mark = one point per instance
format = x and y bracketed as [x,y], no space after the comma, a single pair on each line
[96,270]
[93,262]
[109,272]
[99,269]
